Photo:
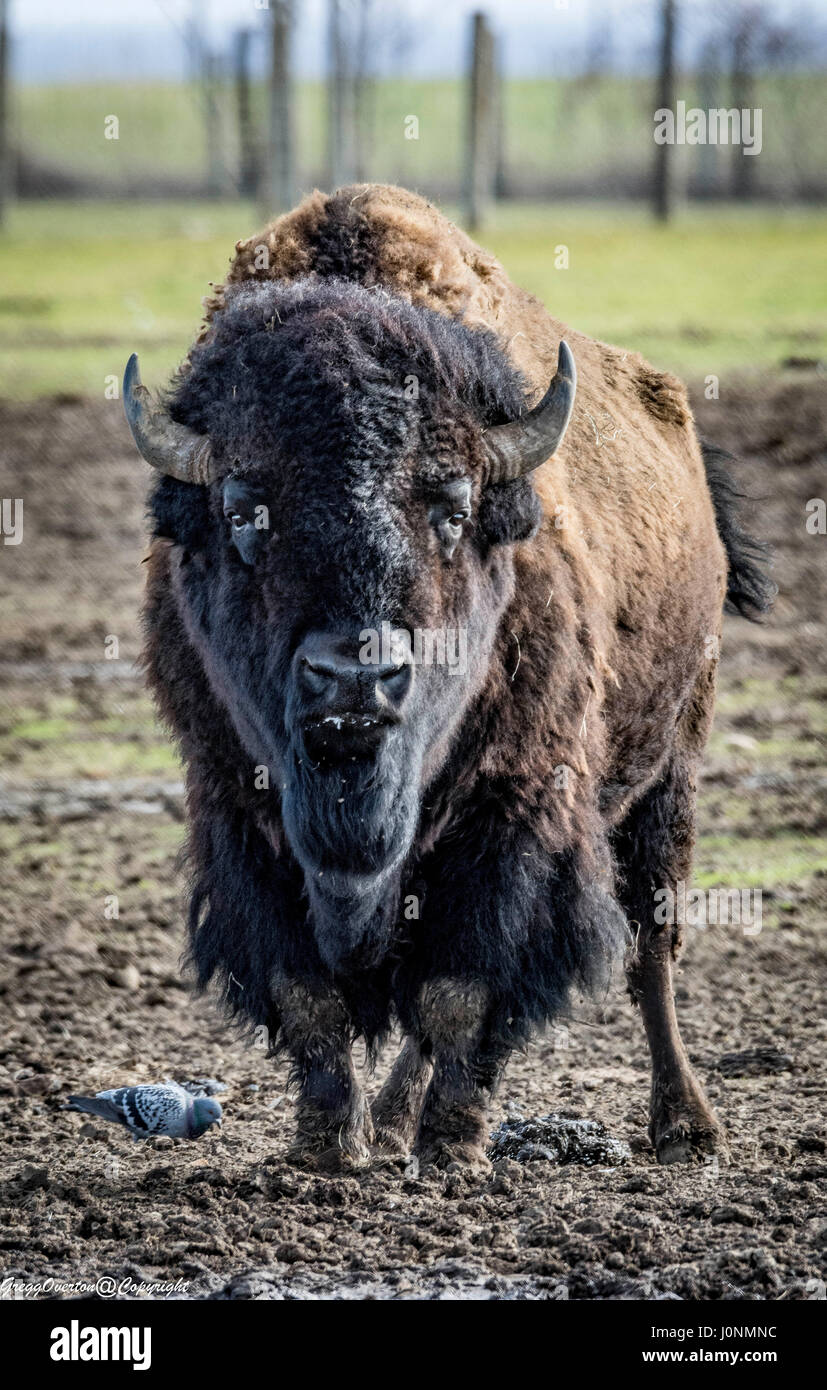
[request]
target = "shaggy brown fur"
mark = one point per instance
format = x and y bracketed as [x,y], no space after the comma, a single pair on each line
[639,571]
[579,750]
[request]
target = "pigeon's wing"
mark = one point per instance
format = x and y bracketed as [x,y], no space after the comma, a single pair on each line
[137,1116]
[101,1106]
[160,1109]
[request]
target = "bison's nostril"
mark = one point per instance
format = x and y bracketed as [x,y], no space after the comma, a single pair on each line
[394,683]
[334,679]
[317,679]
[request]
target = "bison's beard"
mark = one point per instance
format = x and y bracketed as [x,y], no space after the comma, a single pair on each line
[351,826]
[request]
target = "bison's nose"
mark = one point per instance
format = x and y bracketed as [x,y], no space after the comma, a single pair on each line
[333,680]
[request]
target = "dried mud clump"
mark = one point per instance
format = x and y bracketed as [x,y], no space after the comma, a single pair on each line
[558,1139]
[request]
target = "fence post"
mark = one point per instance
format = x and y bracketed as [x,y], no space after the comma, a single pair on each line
[706,183]
[212,130]
[743,94]
[247,153]
[340,107]
[500,154]
[662,183]
[481,107]
[364,94]
[281,174]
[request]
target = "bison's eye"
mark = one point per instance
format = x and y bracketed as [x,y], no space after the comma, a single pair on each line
[247,518]
[450,531]
[450,509]
[239,523]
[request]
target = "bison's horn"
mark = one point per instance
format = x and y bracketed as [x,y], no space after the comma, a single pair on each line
[169,447]
[524,444]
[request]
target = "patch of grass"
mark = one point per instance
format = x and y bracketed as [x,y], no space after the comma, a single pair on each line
[96,759]
[116,727]
[38,853]
[718,290]
[61,736]
[738,860]
[41,730]
[749,693]
[741,814]
[776,754]
[166,834]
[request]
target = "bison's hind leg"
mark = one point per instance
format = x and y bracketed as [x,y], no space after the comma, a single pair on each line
[398,1106]
[654,852]
[467,1066]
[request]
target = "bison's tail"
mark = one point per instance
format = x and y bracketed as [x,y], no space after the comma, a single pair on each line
[750,591]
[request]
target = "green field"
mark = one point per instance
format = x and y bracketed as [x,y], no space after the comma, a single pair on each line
[553,128]
[83,285]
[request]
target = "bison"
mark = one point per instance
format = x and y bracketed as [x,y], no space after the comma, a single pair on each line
[364,444]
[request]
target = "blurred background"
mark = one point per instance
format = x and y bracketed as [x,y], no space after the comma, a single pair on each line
[139,140]
[144,137]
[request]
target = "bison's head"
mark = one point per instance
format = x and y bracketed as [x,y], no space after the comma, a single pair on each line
[343,488]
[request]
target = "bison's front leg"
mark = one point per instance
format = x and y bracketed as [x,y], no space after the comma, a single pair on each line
[333,1126]
[453,1126]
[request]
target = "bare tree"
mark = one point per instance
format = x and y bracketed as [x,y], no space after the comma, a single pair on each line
[599,46]
[359,31]
[662,184]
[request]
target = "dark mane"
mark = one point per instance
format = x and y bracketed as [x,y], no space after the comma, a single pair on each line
[289,364]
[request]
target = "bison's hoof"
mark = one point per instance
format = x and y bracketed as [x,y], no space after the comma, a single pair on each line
[389,1143]
[470,1158]
[333,1159]
[690,1138]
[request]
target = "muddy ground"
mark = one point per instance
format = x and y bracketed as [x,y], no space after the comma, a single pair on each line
[91,807]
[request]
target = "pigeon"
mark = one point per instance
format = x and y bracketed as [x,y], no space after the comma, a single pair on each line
[201,1086]
[148,1110]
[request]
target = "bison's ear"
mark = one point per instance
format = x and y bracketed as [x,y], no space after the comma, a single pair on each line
[509,512]
[180,512]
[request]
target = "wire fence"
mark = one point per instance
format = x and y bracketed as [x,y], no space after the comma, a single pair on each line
[591,135]
[587,129]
